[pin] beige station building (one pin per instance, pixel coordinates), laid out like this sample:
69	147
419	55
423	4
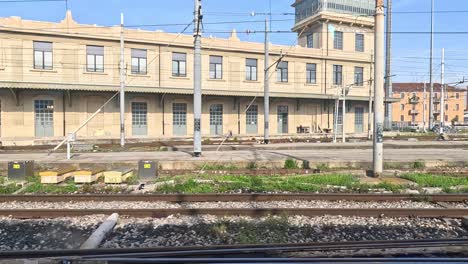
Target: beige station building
55	75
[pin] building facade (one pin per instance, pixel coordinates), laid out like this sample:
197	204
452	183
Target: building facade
413	107
54	76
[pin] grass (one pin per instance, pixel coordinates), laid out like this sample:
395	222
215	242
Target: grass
9	188
231	183
322	166
290	164
35	186
419	164
429	180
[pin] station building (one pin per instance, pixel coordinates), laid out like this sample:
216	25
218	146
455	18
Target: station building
55	75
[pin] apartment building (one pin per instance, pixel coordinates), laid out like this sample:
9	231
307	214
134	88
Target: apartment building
55	75
413	107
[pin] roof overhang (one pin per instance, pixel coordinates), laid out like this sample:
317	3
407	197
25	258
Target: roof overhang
168	90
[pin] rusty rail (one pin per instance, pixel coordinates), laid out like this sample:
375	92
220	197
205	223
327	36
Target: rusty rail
248	197
253	212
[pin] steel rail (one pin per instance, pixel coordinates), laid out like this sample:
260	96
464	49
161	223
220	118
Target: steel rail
229	249
251	197
282	260
252	212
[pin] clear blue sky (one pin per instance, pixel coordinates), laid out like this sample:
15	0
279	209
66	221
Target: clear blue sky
411	52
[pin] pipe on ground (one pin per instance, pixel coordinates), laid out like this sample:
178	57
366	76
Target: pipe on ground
98	236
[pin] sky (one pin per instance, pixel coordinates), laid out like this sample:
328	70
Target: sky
410	51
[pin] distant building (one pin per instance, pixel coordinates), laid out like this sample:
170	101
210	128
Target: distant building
53	76
413	108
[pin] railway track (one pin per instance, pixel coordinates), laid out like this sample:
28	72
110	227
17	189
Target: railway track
179	198
441	211
232	250
253	212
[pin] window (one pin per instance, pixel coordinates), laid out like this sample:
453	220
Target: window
311	73
457	107
358	76
402	118
338	40
179	64
359	42
310	41
402	107
216	67
446	118
337	74
42	55
282	71
402	95
446	107
138	61
457	96
436	95
95	58
251	69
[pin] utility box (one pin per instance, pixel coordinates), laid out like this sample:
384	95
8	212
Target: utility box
19	170
147	169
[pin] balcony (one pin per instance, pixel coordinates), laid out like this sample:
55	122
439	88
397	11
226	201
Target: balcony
436	112
413	112
436	100
414	100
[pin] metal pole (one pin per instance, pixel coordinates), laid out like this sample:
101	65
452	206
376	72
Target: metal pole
68	150
442	94
369	115
122	83
388	67
343	132
431	81
197	93
335	120
379	89
424	107
266	89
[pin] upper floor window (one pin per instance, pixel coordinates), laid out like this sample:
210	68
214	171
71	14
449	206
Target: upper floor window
402	107
457	96
446	107
216	67
311	73
282	71
402	95
358	76
359	42
251	69
43	55
95	58
457	107
179	64
310	41
436	95
338	40
139	61
337	74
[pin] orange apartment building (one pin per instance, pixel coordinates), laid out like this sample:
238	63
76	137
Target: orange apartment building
413	107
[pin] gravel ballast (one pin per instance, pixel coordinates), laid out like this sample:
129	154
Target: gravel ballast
69	233
166	205
58	233
211	230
